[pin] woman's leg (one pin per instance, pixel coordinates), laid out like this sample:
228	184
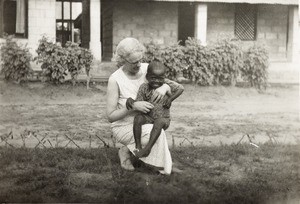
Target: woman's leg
124	155
124	135
159	156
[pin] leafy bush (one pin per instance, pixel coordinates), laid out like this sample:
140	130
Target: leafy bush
153	51
226	60
57	61
172	57
77	59
198	62
255	69
54	60
174	60
218	63
15	60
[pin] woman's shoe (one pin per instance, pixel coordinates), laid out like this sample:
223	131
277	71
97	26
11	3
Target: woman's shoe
124	155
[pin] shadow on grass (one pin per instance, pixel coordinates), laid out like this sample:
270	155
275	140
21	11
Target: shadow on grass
223	174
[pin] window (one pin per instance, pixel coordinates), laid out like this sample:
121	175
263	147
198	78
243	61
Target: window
245	21
13	17
68	21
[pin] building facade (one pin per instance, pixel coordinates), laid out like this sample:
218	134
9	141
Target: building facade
101	24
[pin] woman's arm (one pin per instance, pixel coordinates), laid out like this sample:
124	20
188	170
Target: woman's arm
112	111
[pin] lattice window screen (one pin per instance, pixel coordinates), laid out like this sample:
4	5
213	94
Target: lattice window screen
245	21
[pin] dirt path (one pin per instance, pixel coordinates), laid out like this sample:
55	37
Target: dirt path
202	115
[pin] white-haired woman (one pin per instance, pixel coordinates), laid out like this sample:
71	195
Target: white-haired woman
123	84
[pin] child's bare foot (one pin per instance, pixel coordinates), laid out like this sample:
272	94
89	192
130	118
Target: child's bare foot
136	151
142	152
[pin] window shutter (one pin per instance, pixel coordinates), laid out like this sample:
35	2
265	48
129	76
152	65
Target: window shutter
245	21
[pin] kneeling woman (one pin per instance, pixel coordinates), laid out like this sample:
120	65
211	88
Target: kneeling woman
123	84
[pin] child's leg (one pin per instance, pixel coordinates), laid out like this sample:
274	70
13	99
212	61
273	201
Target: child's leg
139	120
158	125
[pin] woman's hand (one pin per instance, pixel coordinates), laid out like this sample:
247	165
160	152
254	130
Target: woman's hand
160	92
142	106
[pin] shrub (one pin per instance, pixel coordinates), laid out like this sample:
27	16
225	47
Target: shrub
54	60
198	62
77	59
255	69
226	60
172	57
218	63
153	51
57	61
15	60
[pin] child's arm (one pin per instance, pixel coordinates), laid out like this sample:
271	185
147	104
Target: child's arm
177	90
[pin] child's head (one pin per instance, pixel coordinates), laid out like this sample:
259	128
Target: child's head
156	74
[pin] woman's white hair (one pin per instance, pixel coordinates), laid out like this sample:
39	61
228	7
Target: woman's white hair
128	49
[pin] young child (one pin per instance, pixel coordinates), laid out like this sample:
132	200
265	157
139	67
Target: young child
159	116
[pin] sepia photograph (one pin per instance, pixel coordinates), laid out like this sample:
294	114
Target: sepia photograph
150	101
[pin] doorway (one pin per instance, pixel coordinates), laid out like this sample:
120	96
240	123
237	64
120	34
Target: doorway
186	21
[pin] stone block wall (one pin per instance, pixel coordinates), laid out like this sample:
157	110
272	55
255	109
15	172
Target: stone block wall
41	21
271	27
145	21
220	20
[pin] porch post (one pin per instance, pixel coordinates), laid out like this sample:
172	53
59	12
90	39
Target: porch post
294	35
201	22
95	26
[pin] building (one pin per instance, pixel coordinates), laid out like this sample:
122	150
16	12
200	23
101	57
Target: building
101	24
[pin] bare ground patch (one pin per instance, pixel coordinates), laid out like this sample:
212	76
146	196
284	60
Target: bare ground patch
201	116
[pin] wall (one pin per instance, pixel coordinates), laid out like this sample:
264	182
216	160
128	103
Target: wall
41	21
271	26
272	29
220	20
145	21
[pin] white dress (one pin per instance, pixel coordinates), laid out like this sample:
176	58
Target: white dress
123	129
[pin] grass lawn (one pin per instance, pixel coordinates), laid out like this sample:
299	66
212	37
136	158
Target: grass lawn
206	137
215	174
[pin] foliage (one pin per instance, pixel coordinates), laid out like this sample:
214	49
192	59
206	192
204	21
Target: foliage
77	59
198	60
15	60
172	57
57	61
255	70
218	63
54	60
226	60
153	51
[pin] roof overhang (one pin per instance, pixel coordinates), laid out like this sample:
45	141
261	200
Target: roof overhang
283	2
